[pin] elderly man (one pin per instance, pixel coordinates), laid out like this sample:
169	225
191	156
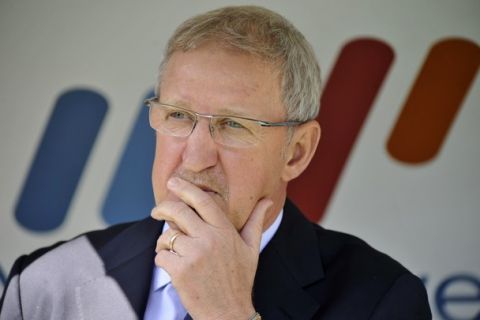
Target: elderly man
234	118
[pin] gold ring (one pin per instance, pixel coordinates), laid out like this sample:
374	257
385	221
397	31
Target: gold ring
172	241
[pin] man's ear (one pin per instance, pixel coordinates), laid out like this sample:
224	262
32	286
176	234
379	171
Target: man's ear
301	149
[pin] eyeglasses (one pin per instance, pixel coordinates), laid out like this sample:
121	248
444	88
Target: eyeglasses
232	131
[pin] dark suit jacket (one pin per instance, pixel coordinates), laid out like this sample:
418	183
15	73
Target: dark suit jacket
305	272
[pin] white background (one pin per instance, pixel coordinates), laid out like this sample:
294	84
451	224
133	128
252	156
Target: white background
426	216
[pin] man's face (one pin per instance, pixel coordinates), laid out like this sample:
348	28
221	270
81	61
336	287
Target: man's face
214	80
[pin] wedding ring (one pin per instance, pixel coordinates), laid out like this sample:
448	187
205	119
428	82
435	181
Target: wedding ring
172	241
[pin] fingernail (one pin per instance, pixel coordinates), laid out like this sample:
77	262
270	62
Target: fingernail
269	204
173	182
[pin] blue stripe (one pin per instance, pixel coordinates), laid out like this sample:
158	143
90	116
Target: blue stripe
60	159
3	278
130	196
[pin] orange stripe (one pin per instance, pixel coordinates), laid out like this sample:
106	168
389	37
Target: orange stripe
434	101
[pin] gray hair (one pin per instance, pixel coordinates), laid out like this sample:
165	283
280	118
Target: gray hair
263	33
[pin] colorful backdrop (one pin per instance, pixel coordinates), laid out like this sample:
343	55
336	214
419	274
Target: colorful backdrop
398	164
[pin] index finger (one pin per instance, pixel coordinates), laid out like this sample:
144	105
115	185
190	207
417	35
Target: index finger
179	216
199	200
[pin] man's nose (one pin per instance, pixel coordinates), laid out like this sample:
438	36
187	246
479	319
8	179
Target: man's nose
200	152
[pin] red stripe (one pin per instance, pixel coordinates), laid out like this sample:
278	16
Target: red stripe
347	99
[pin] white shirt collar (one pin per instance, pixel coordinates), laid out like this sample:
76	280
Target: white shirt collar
161	277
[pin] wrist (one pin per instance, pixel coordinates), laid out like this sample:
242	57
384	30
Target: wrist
235	314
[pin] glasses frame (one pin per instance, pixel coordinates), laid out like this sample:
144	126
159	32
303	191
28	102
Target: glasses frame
263	123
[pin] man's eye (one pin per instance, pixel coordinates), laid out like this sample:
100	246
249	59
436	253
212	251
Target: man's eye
179	115
230	123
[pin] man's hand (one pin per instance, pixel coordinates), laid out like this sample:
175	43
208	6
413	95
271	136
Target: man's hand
213	267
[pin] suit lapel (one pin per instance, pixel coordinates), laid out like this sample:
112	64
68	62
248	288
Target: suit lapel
129	260
286	267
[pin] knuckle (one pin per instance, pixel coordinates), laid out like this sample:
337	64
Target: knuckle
160	211
154	213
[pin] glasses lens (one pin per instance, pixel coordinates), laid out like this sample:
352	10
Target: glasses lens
171	120
228	131
235	132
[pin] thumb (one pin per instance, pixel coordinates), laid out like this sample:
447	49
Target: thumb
253	228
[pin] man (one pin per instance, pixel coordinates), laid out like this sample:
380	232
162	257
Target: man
234	114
